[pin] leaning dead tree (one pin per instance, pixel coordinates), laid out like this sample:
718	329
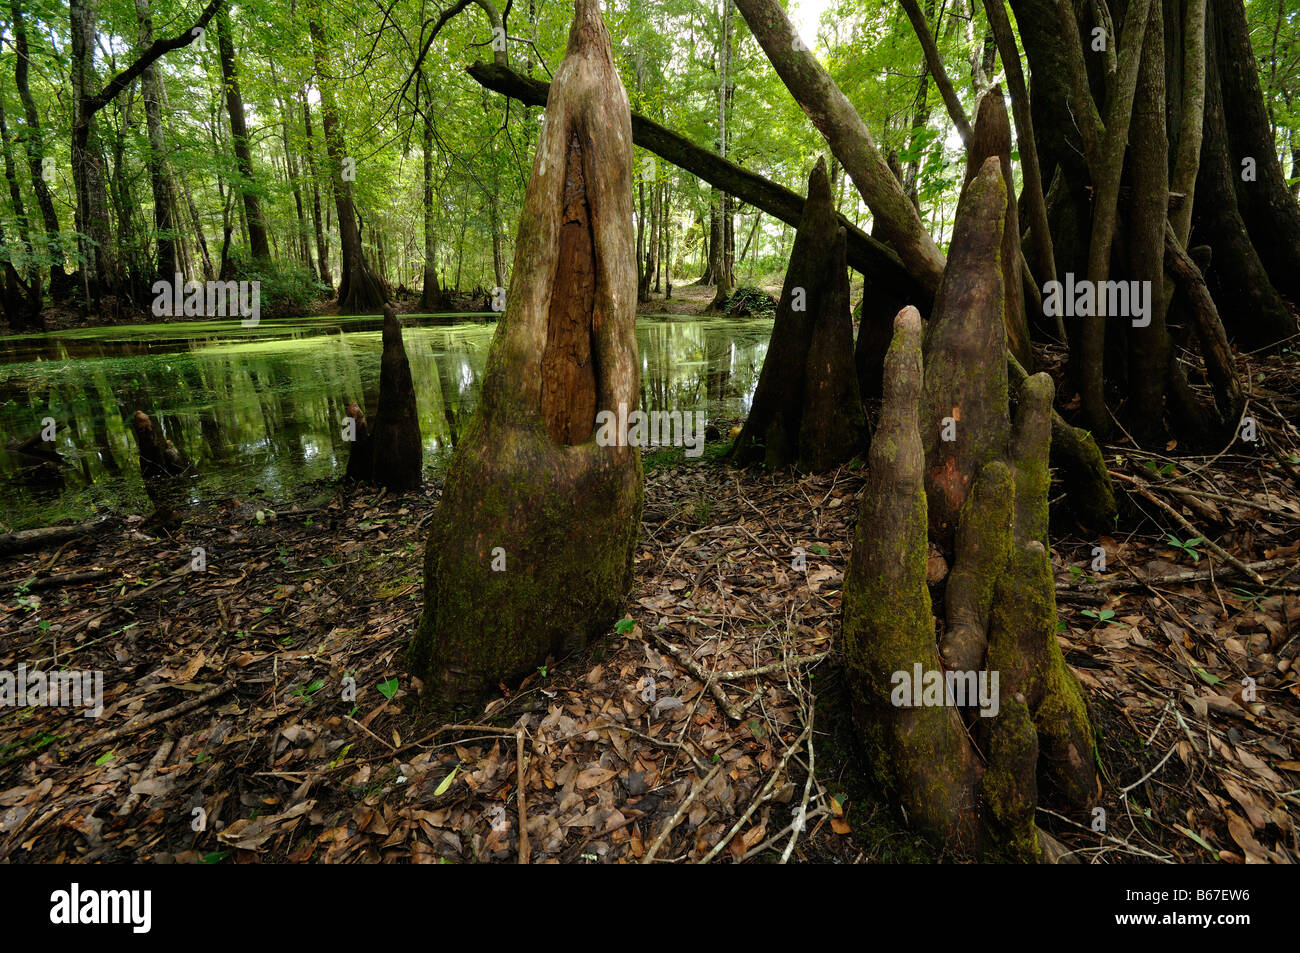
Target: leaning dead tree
388	450
530	550
807	408
960	726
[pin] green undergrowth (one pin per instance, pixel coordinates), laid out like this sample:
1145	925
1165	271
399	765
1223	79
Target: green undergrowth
668	457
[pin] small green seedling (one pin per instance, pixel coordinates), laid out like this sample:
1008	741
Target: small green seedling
1101	615
308	690
1189	547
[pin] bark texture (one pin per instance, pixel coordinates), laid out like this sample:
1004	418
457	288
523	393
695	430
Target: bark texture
968	777
530	550
806	407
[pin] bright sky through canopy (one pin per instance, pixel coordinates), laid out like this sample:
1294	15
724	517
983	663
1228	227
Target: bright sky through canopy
805	15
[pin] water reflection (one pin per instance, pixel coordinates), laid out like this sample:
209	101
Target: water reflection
261	408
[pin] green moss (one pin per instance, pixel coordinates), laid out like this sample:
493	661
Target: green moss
1008	790
983	538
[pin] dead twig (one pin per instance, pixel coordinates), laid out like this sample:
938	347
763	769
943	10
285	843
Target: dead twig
762	796
521	795
678	815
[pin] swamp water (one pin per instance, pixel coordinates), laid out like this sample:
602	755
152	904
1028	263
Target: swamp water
260	410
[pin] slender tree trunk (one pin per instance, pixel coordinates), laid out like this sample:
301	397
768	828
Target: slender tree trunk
360	290
1148	347
650	273
719	247
100	274
21	299
498	258
668	251
322	230
303	244
164	213
60	281
431	299
847	136
199	237
239	139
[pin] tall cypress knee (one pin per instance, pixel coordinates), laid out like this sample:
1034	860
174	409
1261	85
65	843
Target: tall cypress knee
807	407
388	450
960	729
530	551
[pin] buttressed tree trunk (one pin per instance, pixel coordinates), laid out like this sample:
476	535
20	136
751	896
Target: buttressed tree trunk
807	408
530	551
388	450
996	674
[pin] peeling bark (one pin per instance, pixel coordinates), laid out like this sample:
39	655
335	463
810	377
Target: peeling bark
530	550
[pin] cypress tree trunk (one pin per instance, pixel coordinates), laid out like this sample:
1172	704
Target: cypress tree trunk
100	269
19	300
530	550
60	280
1267	206
361	290
164	209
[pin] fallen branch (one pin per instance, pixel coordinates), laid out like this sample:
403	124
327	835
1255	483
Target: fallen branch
1188	575
711	679
1143	491
148	721
523	807
67	579
763	795
29	540
865	254
797	827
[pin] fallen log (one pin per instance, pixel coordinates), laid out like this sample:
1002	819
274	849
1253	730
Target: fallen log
865	254
30	540
63	580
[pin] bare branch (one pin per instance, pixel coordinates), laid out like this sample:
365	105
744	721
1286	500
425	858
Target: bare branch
934	62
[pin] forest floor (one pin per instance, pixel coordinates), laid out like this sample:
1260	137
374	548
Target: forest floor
230	731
